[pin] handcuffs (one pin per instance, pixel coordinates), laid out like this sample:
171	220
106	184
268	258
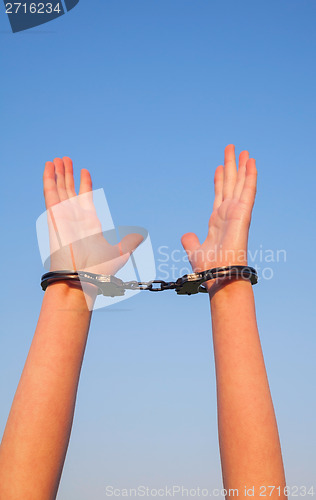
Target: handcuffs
189	284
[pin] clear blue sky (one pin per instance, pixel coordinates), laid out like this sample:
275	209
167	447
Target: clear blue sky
146	94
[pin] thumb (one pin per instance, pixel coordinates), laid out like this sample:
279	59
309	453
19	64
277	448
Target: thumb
129	243
190	244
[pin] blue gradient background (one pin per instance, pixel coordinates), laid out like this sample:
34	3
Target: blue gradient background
147	95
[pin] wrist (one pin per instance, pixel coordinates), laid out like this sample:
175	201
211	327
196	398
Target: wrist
226	274
74	295
225	288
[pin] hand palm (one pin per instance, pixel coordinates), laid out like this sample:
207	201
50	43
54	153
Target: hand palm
226	241
76	238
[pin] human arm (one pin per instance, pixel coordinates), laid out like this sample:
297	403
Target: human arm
248	435
37	433
36	436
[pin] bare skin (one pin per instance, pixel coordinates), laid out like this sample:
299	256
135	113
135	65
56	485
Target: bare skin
36	437
248	435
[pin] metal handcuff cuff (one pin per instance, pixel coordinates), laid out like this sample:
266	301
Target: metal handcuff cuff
189	284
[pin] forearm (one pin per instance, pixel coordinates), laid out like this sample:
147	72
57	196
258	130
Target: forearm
36	437
248	434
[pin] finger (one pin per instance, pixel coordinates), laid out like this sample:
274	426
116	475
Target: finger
190	243
241	174
129	243
60	176
230	171
127	246
250	186
69	177
218	186
50	187
86	201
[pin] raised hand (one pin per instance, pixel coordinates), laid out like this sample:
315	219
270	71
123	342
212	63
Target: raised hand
75	232
226	242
